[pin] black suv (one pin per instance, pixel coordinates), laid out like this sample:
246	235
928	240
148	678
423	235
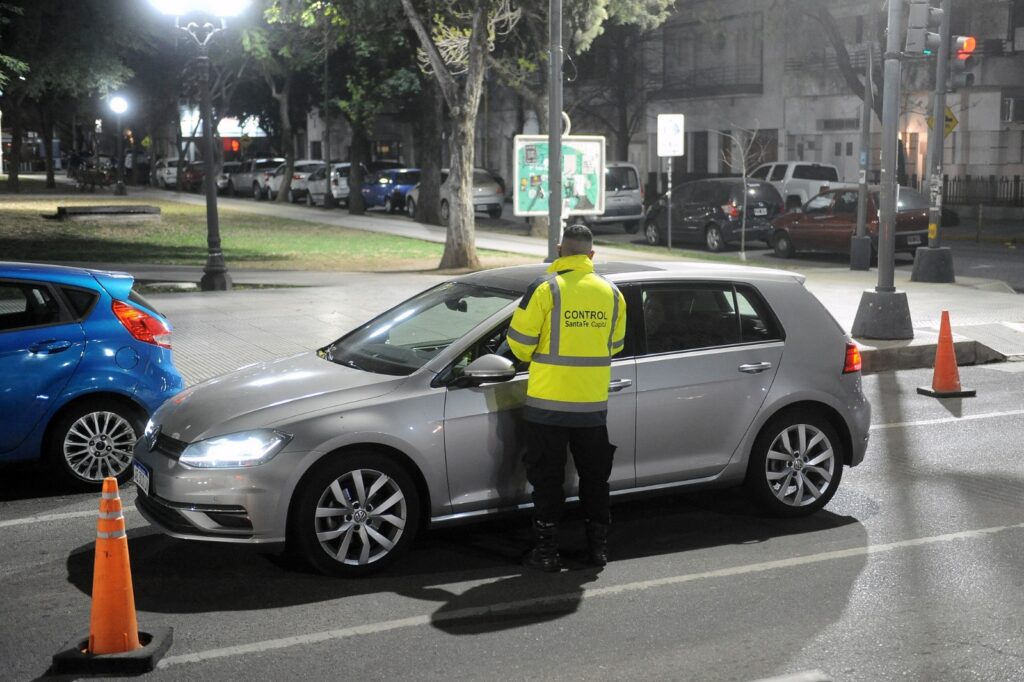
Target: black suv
710	212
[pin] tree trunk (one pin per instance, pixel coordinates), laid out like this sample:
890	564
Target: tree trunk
460	244
427	130
539	224
283	97
46	125
355	171
14	160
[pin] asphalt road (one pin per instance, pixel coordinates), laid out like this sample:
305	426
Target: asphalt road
913	572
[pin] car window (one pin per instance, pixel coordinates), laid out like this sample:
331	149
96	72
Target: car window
683	194
778	172
307	167
27	305
318	174
762	191
620	177
846	203
688	316
482	178
815	172
820	204
761	173
756	320
81	301
342	171
910	200
406	337
408	178
280	169
264	165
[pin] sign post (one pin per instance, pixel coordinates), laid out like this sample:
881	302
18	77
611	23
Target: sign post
582	183
671	143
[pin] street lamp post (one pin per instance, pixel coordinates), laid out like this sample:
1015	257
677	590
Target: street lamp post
215	272
119	105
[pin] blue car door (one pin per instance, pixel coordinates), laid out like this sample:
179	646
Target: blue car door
40	348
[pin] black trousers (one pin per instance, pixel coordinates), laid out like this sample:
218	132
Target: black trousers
545	469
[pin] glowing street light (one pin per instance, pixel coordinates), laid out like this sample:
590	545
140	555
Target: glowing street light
215	272
119	105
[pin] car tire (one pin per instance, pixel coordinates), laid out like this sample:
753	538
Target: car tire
366	537
92	441
494	213
410	207
257	193
309	200
783	245
651	233
273	195
795	465
389	206
631	226
161	183
231	189
713	238
446	213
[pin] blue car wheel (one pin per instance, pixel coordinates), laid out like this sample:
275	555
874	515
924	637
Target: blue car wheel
94	440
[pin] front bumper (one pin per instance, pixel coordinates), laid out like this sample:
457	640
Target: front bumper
244	505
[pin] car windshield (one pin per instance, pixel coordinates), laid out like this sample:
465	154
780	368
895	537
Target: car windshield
306	167
908	200
341	171
620	177
406	337
482	178
263	165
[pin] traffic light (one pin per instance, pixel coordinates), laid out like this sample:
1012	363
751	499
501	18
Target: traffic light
923	28
963	48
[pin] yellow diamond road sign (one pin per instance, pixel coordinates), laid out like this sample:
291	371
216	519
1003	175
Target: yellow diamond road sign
951	122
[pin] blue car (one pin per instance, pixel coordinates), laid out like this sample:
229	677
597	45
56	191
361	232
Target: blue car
388	188
84	360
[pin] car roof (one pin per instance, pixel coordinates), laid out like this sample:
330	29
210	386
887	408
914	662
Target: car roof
67	274
519	277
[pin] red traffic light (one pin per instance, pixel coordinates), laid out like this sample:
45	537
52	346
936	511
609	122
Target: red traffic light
965	47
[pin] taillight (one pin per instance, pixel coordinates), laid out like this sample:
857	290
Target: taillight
641	193
296	176
142	326
853	360
731	210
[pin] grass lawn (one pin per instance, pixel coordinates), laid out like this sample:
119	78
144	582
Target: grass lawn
249	240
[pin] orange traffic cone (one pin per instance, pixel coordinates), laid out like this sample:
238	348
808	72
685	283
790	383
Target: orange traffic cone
113	628
946	377
113	643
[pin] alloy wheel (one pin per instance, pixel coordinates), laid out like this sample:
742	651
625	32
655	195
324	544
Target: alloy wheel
361	516
99	444
800	466
713	238
651	233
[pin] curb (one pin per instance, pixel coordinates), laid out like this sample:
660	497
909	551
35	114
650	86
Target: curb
889	356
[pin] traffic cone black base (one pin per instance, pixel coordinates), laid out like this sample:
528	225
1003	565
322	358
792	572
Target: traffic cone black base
962	393
75	659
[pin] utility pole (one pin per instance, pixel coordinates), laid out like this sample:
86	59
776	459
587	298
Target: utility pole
860	242
326	137
934	263
554	128
884	313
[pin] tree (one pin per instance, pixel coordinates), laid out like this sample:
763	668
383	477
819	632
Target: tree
751	153
455	54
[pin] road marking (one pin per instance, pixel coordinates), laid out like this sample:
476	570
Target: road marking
41	518
593	593
947	420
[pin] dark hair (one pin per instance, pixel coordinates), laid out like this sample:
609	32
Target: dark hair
577	240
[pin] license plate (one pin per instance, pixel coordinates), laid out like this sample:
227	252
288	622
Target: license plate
141	477
914	239
760	211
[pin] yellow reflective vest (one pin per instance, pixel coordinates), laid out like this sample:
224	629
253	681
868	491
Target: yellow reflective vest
568	326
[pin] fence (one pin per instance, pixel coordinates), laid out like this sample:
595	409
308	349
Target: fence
983	189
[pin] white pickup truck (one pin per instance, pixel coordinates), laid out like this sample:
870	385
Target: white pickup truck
798	181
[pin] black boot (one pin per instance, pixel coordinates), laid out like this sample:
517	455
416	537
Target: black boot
597	543
544	555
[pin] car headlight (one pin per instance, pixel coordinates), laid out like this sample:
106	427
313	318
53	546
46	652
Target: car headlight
245	449
149	435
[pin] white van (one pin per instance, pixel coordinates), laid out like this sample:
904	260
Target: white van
624	197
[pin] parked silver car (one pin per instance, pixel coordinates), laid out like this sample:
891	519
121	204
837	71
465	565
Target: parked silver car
300	176
488	195
624	197
730	376
316	184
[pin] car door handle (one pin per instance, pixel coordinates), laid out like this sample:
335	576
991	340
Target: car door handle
49	347
619	384
755	367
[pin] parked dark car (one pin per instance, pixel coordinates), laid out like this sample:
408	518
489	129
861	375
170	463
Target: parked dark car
710	212
827	221
388	188
192	177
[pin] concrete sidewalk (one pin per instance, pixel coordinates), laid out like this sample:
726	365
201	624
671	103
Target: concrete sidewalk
987	317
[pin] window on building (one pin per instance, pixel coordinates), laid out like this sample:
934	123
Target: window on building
839	148
316	150
849	149
699	149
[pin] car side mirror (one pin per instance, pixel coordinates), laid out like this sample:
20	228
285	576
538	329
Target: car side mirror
486	369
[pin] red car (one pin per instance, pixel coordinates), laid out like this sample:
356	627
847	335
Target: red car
827	221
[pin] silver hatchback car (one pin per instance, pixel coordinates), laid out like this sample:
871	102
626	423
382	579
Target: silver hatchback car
730	376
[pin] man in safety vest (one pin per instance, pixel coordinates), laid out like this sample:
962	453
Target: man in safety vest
568	326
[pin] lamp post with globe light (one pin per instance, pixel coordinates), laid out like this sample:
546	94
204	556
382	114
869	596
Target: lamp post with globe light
119	105
215	272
